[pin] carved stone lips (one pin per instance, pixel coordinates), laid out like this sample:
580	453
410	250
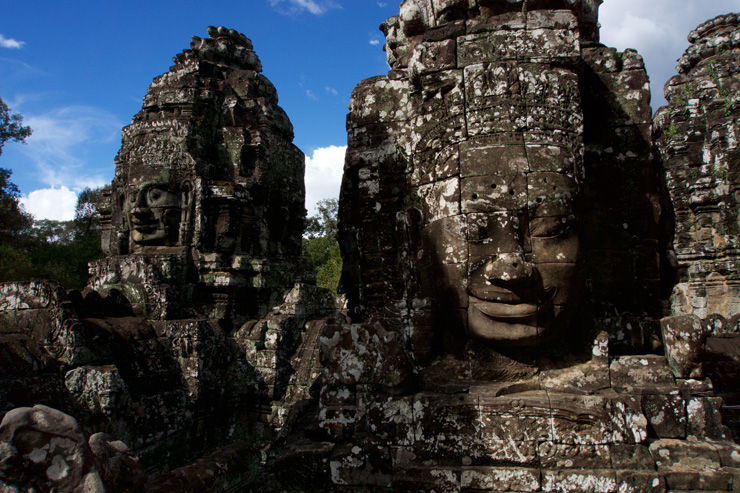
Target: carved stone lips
144	227
506	310
507	305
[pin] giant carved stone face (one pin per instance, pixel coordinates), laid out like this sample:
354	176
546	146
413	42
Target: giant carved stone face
153	214
155	209
510	262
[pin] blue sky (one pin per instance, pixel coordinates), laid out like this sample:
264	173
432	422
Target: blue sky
78	71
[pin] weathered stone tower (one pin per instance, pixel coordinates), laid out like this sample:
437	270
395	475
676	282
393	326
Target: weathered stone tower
205	214
697	136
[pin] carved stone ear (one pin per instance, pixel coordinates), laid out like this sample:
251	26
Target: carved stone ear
186	199
186	208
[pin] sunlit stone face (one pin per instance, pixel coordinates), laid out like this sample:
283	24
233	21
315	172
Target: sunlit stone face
153	214
510	261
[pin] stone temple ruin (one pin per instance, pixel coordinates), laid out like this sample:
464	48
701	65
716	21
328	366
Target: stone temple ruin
197	330
541	278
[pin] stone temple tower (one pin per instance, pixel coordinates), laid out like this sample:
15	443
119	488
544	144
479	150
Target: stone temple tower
205	214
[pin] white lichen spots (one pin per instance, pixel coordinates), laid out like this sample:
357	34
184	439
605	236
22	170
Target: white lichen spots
58	469
731	138
372	186
601	348
330	342
694	409
583	482
369	101
38	454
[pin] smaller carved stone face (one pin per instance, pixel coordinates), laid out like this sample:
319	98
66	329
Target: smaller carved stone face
153	212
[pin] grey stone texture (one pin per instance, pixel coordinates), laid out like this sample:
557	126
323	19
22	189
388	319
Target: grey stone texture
540	278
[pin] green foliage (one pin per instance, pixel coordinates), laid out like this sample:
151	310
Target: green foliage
14	221
61	250
320	247
15	229
325	222
45	249
724	94
328	273
11	126
670	130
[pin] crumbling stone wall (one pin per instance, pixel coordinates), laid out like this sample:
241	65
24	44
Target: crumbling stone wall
482	102
508	244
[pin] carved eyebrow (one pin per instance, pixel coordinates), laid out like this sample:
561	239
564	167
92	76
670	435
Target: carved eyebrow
553	226
147	186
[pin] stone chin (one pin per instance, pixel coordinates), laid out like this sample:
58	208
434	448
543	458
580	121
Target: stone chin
149	235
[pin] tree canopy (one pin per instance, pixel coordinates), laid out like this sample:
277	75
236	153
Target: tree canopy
320	247
11	126
43	249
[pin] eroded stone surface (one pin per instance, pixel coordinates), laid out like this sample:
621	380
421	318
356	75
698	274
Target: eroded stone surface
508	247
502	166
207	202
697	136
46	449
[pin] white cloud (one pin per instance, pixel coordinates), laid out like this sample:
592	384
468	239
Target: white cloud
10	43
331	90
311	95
51	203
382	5
61	143
375	42
657	29
316	7
323	175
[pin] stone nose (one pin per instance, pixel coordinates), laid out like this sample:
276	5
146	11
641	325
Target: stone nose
507	267
140	205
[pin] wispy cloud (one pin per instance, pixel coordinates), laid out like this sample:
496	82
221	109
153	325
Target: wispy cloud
60	139
316	7
375	42
323	175
63	142
311	95
10	43
331	90
382	5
